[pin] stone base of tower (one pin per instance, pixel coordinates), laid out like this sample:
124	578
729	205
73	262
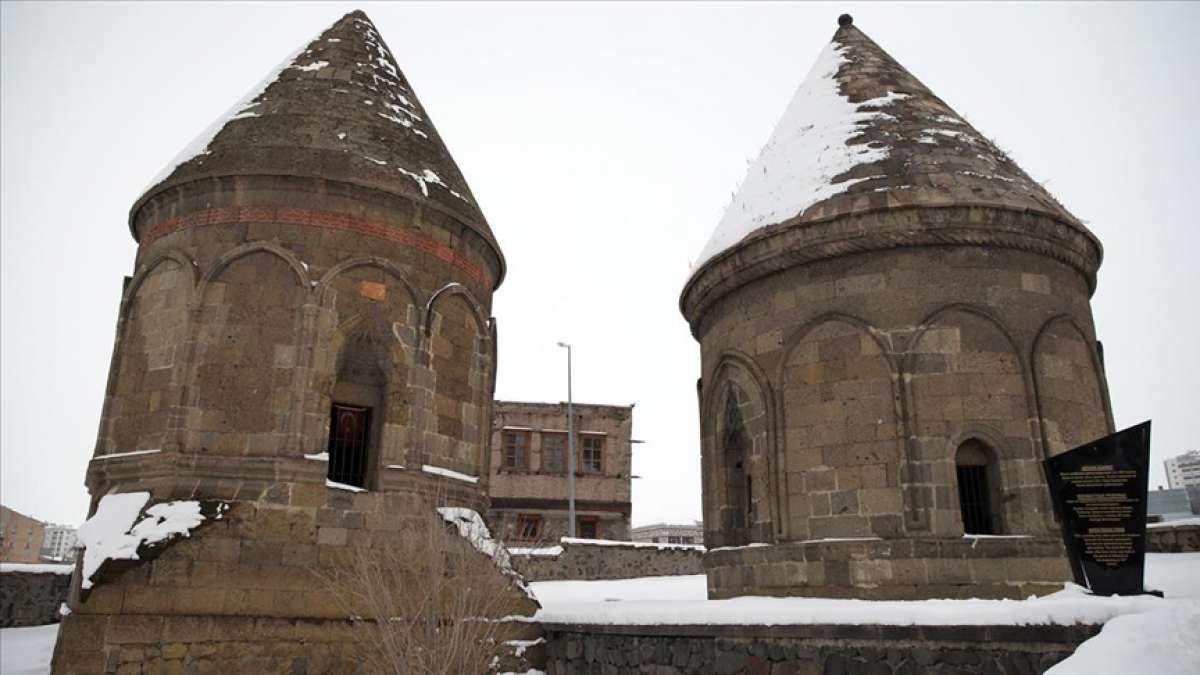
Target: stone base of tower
256	591
913	568
224	645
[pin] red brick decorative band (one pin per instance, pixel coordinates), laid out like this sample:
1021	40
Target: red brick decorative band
333	221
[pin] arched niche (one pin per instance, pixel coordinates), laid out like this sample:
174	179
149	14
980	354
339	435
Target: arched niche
243	382
1070	392
150	351
367	402
738	443
363	356
461	364
842	437
964	373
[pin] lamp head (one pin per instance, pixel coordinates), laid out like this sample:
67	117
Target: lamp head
563	344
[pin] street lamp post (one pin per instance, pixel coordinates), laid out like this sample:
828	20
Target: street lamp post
570	448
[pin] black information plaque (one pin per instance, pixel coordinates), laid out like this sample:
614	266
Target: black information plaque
1099	493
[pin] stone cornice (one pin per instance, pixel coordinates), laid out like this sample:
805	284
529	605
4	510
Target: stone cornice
779	248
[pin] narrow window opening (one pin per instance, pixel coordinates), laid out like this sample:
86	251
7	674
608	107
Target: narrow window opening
734	444
349	431
592	454
586	527
977	486
516	450
529	527
553	451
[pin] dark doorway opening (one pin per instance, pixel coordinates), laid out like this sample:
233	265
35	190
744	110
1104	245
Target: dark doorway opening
978	488
349	431
973	499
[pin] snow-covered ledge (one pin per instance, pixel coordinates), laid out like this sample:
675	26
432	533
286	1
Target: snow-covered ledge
115	532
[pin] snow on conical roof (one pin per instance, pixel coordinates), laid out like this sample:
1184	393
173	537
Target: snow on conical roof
862	134
338	108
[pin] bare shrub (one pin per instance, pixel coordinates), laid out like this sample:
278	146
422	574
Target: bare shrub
428	596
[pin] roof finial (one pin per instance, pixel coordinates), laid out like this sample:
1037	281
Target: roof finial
845	20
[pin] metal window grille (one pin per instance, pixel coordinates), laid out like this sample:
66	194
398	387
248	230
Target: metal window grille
349	431
973	499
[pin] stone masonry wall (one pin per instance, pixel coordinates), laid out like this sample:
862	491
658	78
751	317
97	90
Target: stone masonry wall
804	650
1178	539
582	560
535	486
31	598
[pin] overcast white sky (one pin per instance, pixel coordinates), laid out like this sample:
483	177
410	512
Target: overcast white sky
603	142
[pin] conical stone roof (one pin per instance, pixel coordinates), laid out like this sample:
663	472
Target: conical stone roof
862	134
338	108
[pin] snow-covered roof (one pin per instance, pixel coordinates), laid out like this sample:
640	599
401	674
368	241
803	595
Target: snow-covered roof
862	134
338	108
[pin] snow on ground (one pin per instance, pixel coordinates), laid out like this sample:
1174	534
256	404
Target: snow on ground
1163	642
682	601
1142	634
27	651
1195	520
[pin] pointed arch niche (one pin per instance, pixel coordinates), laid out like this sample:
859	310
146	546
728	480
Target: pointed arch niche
843	441
1070	393
364	406
460	358
739	449
149	356
243	373
967	389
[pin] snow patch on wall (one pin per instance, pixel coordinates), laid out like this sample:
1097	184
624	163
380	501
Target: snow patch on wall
471	527
343	486
447	473
311	67
36	568
110	534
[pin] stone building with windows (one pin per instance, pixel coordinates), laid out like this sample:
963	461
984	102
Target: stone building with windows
1183	470
21	537
895	331
59	543
668	533
528	485
305	348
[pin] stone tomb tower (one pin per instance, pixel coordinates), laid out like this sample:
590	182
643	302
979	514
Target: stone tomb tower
895	332
310	302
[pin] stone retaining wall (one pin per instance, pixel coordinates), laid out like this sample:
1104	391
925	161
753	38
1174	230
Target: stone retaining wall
31	597
798	650
1178	539
583	559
